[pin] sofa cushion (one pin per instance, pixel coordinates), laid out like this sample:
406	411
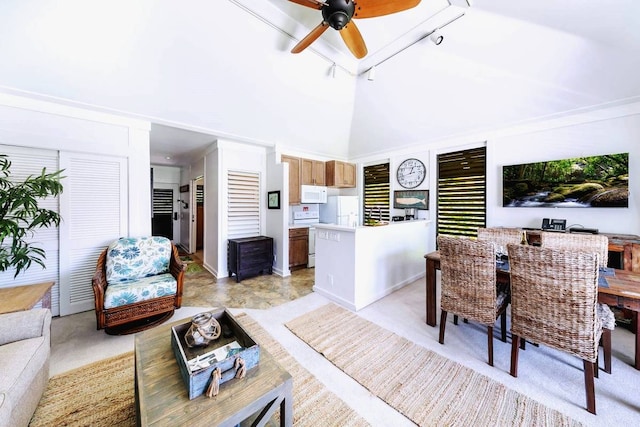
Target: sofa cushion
130	258
23	324
129	292
24	373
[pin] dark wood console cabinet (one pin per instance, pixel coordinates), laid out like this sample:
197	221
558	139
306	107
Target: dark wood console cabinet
250	256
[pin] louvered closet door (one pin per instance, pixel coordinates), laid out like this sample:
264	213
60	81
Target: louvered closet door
94	209
25	162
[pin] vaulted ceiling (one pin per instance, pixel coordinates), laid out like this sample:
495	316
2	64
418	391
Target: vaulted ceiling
204	70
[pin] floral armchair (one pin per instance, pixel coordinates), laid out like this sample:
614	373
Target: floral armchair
137	284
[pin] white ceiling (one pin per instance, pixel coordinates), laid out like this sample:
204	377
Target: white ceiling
224	68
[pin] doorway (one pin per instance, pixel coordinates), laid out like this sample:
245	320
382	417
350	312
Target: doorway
199	217
162	216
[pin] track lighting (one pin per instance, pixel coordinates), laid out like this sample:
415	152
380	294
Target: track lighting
436	38
372	74
333	70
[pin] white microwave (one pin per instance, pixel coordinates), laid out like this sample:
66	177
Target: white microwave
313	194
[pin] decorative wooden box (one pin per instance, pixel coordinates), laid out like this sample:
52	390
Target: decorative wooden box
198	380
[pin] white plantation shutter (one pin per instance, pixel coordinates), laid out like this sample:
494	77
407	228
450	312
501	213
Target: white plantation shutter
243	204
94	207
25	162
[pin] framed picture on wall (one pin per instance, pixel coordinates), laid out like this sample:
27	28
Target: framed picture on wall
417	199
273	200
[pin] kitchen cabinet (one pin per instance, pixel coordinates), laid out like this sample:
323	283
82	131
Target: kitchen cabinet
340	174
250	256
313	172
298	247
294	178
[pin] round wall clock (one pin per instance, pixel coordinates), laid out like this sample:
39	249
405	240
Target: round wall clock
411	173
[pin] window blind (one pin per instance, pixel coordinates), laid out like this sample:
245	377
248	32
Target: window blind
243	204
461	192
377	191
162	201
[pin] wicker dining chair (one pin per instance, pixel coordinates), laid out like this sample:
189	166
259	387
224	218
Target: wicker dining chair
468	278
501	236
554	302
598	243
588	243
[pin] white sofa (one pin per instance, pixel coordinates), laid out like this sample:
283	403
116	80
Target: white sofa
25	347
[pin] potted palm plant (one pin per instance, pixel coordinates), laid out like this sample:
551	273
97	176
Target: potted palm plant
21	215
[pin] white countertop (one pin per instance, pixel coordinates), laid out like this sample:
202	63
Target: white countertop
361	227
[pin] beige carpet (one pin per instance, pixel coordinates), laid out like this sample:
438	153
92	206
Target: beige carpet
427	388
102	394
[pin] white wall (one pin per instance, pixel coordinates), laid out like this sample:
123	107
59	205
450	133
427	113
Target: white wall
224	156
276	220
81	134
38	124
602	131
610	136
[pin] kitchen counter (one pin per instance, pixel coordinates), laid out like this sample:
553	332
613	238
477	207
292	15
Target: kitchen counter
356	266
368	227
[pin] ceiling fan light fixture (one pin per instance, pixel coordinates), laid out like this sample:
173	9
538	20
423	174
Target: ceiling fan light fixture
436	38
338	20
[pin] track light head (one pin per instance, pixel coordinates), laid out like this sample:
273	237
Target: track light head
436	38
372	74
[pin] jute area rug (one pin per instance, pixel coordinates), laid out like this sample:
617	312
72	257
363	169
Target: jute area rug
427	388
102	393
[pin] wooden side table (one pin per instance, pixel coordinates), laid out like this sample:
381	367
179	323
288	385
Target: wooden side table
20	298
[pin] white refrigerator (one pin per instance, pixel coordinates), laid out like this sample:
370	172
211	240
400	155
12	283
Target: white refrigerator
341	210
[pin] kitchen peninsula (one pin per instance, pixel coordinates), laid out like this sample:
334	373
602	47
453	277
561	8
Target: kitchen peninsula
356	266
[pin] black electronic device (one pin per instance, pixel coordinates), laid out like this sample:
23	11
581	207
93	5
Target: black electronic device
583	230
554	224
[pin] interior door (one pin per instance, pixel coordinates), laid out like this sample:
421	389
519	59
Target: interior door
94	209
162	213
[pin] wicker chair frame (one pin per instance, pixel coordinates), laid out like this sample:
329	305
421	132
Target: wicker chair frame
587	243
501	235
468	278
141	315
554	296
578	242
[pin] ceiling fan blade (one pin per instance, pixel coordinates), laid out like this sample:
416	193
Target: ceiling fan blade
313	4
310	38
373	8
353	39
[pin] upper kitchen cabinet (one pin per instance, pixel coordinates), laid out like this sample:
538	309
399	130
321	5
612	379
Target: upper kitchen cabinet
313	172
340	174
294	179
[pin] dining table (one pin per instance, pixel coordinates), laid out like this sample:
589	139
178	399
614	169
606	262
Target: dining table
621	288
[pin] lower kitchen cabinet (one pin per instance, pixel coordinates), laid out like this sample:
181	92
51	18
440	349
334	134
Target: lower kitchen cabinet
250	256
298	248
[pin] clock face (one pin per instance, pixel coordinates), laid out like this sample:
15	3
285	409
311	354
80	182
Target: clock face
411	173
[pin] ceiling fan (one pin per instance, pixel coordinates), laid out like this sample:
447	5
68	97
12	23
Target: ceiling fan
338	14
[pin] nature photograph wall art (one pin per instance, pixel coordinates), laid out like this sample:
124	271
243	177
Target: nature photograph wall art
581	182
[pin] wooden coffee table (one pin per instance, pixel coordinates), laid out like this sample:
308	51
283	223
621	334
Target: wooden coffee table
162	397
